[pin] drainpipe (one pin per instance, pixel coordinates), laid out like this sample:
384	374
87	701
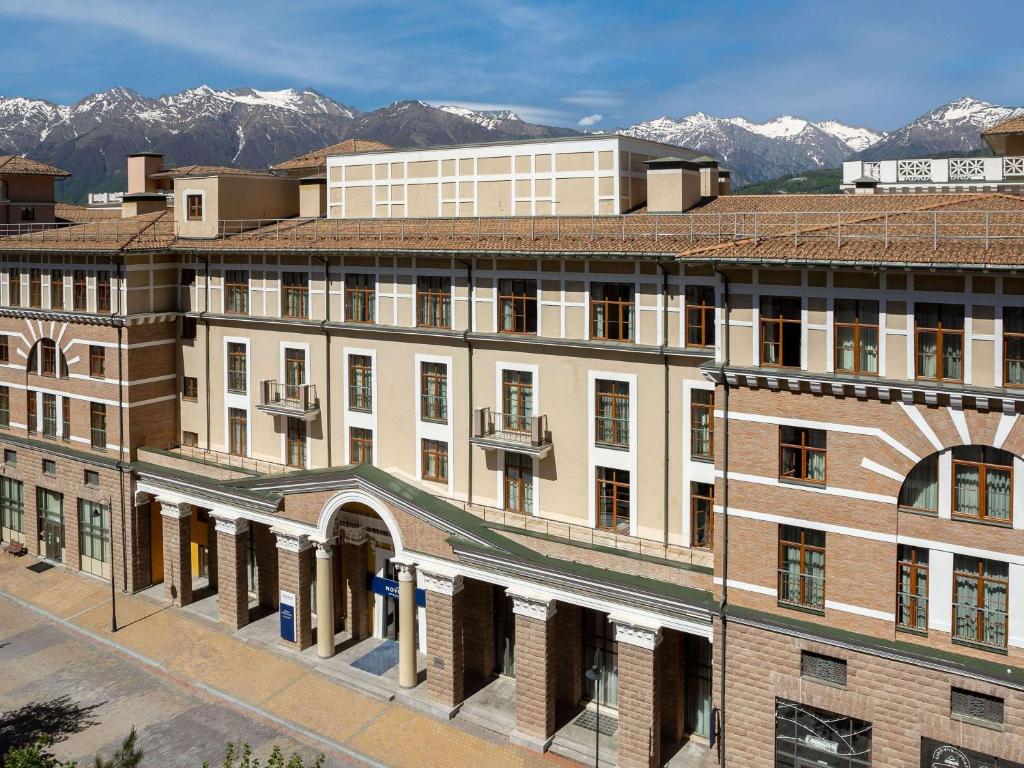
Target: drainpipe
327	341
667	420
469	374
206	327
725	511
120	312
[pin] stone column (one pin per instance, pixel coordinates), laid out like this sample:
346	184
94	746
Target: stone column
232	537
324	599
446	665
353	561
406	624
535	669
177	522
639	707
672	666
294	558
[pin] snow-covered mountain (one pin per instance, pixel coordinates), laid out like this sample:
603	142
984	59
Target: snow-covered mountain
488	118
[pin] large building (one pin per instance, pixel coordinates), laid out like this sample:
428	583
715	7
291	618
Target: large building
543	409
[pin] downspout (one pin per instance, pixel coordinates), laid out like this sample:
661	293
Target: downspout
327	341
120	437
725	512
665	392
469	374
206	326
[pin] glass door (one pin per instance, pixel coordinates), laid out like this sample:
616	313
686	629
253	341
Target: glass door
600	648
51	524
698	685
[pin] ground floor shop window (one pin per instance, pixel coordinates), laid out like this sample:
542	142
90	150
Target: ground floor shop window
12	509
94	537
600	649
806	737
938	754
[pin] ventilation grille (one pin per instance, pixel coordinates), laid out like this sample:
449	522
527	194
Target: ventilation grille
976	706
824	668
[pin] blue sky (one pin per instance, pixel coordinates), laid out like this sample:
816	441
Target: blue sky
606	64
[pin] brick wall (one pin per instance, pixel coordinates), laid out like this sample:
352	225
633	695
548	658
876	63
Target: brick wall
568	654
232	579
639	708
177	559
535	677
445	655
294	576
478	628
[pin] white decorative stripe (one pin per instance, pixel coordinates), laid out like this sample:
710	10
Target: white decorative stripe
860	611
874	466
960	422
848	493
922	425
1006	423
746	587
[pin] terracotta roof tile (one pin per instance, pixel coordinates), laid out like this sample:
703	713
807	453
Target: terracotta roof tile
16	164
79	214
1009	125
318	157
145	232
205	170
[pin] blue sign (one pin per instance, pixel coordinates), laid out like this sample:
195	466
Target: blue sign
389	588
288	616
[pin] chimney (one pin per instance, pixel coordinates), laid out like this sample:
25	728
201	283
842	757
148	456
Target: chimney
676	184
142	165
313	196
865	185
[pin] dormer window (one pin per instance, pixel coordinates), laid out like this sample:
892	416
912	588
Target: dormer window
194	207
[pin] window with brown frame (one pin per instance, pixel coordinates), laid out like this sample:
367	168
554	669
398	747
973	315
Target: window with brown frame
780	332
30	409
518	482
35	288
700	316
802	454
516	400
981	598
611	417
5	406
5	349
939	341
294	295
434	392
56	289
49	415
360	383
80	292
1013	346
360	445
360	298
912	588
801	567
295	443
190	388
611	311
517	306
236	292
702	424
47	357
613	499
435	460
294	372
97	361
702	515
98	425
65	418
434	301
189	439
236	367
102	291
14	287
194	207
983	484
856	336
238	432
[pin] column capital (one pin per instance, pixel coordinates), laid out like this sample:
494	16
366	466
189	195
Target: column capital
406	568
175	509
635	632
352	534
531	605
230	526
442	582
141	497
324	548
290	541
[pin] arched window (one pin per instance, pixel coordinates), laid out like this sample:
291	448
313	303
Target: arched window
47	359
977	480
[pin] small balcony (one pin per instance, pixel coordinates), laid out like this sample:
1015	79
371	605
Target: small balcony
296	400
511	432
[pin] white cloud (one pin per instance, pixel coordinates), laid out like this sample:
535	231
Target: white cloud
589	120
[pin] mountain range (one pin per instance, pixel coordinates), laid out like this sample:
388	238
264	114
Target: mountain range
253	128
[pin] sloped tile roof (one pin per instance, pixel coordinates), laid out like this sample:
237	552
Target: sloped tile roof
205	170
16	164
1009	125
318	157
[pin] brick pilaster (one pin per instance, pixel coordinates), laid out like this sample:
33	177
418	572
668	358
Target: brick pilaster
139	540
357	608
445	649
672	666
177	522
294	567
639	705
535	670
478	628
569	671
31	519
232	584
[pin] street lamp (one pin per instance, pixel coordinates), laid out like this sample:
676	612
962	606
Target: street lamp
594	675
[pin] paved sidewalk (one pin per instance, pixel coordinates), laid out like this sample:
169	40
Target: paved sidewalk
313	707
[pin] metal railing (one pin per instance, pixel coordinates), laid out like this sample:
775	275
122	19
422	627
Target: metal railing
801	589
231	460
101	231
984	626
298	397
512	428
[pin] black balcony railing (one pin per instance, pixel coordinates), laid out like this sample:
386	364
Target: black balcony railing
279	396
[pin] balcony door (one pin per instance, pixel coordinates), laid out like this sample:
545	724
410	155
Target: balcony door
517	399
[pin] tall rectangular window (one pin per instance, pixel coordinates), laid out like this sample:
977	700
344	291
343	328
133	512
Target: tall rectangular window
236	292
434	392
611	311
613	502
702	424
5	349
102	291
939	341
294	295
983	484
360	445
1013	346
518	483
14	287
65	418
56	289
856	333
30	410
700	316
35	288
5	406
780	332
435	460
434	302
802	454
516	400
80	292
611	418
702	515
912	588
189	388
12	507
237	381
194	207
238	432
97	361
49	415
517	306
294	372
981	593
801	567
98	425
47	357
93	532
360	382
360	298
295	444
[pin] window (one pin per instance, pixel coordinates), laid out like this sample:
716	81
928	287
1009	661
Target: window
94	531
102	291
80	292
56	289
236	367
5	406
518	483
30	407
188	327
435	460
12	506
65	418
433	302
189	439
801	567
434	392
360	383
516	400
1013	346
5	349
49	467
700	316
294	373
702	515
91	478
14	289
49	415
236	292
974	706
856	332
35	288
780	332
360	298
613	499
611	423
517	306
295	444
294	295
920	490
802	454
912	588
187	277
10	457
611	311
939	341
194	207
983	483
981	596
47	357
238	431
97	361
805	736
28	214
98	425
824	669
702	424
360	445
190	388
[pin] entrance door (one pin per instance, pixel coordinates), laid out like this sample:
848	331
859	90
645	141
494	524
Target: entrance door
698	685
51	524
